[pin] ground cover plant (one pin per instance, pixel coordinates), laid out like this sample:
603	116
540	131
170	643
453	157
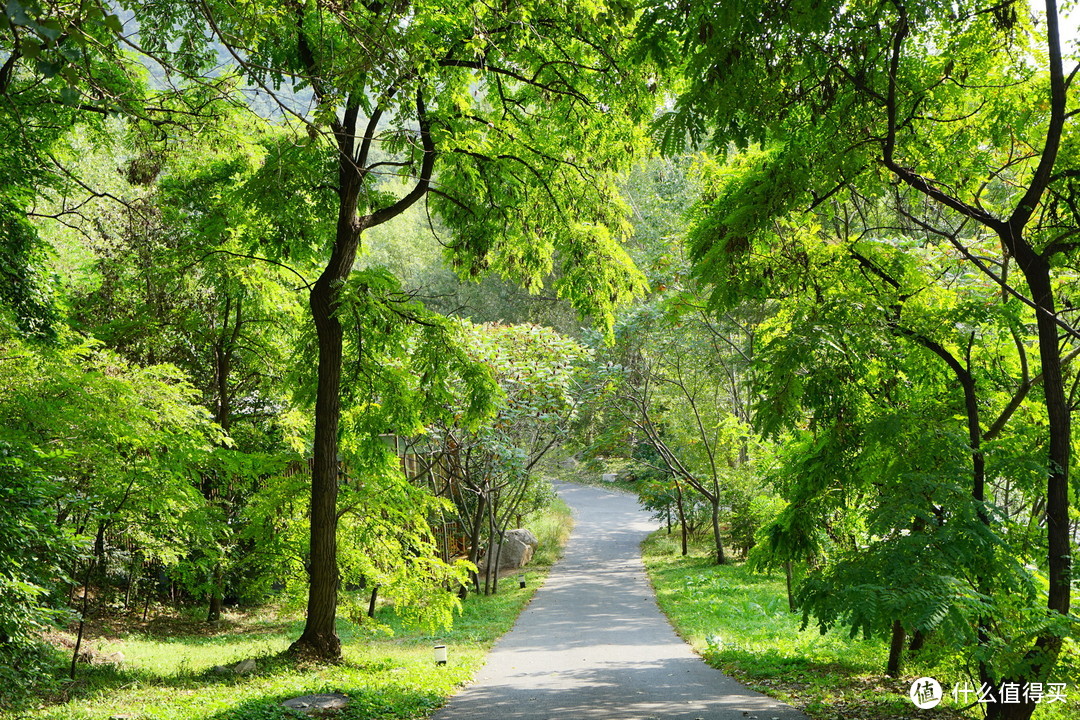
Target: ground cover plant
168	667
739	621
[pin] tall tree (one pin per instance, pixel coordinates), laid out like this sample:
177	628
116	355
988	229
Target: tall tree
965	104
511	121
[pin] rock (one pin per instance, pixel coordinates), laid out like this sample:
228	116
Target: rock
525	536
221	669
569	463
324	704
115	658
609	477
244	667
515	551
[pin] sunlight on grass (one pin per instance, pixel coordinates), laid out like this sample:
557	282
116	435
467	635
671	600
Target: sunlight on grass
740	623
168	672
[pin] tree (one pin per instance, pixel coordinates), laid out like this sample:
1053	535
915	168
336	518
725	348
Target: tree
682	394
489	468
106	450
949	102
511	121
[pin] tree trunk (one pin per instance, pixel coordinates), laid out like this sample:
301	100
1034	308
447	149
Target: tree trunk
319	638
82	616
714	503
474	539
213	614
1048	646
896	650
682	517
371	603
790	595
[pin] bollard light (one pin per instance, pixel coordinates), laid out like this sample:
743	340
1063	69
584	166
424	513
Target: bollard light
521	581
440	654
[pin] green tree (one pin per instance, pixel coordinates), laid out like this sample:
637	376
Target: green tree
490	467
965	105
111	450
511	122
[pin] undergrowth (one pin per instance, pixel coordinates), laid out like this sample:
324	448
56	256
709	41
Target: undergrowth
175	669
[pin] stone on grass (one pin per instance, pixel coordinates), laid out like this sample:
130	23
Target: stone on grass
514	552
244	667
524	536
324	704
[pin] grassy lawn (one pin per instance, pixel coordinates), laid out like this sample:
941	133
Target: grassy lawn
740	623
168	667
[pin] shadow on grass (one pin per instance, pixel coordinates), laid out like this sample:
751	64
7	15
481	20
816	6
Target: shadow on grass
389	703
95	681
830	690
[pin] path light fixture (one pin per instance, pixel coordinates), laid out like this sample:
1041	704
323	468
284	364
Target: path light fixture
521	581
440	654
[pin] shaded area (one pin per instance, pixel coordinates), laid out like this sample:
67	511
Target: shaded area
593	645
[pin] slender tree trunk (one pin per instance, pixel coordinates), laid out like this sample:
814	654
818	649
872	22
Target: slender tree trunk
682	517
371	603
714	503
213	613
82	615
896	650
790	595
474	538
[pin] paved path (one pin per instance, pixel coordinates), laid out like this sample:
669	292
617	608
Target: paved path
592	645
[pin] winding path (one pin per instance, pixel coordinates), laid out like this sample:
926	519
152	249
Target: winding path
592	645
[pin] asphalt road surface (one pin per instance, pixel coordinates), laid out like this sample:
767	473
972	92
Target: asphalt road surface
592	645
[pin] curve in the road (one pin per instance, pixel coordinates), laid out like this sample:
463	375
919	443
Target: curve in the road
592	645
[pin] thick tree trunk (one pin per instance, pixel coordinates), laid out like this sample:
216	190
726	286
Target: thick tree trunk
1059	556
319	638
213	613
320	635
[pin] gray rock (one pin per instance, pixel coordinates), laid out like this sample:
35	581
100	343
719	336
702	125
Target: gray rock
221	669
609	477
115	658
324	704
244	667
525	536
510	554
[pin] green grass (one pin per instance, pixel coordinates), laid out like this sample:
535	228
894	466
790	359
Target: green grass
168	669
739	622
